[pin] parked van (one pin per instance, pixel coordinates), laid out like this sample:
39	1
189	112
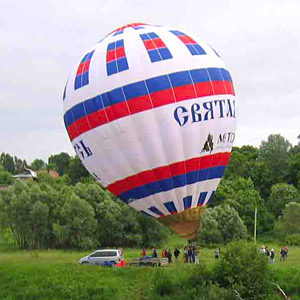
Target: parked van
111	257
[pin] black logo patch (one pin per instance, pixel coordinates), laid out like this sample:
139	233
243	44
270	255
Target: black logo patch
208	145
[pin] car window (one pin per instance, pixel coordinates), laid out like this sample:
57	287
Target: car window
96	254
104	254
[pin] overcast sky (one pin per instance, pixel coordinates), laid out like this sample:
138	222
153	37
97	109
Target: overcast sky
40	41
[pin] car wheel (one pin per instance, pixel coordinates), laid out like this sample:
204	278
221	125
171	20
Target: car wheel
85	263
154	265
142	264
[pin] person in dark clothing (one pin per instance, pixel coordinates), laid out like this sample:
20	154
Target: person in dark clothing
186	254
169	255
176	253
190	254
154	253
283	253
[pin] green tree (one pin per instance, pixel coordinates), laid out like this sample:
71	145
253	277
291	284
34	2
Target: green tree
19	165
261	178
76	171
241	161
275	153
209	233
38	164
291	218
153	232
226	226
293	176
60	162
244	269
5	177
77	225
7	162
240	194
281	194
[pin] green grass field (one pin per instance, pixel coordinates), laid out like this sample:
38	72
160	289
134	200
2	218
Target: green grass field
55	274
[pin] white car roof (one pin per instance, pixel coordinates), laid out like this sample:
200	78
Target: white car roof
107	250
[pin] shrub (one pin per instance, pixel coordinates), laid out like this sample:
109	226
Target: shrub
5	178
244	270
293	239
221	224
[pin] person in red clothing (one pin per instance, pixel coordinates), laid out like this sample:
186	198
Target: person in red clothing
144	252
163	253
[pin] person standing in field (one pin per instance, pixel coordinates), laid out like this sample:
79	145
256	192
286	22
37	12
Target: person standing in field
272	256
144	252
283	253
217	253
169	255
176	253
185	253
163	253
154	253
190	254
196	255
263	250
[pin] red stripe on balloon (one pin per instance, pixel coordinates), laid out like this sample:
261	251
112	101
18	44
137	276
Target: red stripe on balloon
110	55
149	45
168	171
147	102
83	67
162	98
186	39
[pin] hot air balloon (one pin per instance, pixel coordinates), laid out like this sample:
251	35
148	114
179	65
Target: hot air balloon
150	111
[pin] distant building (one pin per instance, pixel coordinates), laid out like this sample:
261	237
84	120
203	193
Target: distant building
27	175
52	173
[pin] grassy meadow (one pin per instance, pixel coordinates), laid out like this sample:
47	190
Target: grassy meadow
55	274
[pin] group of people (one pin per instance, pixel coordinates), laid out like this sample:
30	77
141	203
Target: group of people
168	254
271	253
164	253
191	254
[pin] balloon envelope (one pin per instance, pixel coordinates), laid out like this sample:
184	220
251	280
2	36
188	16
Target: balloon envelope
150	111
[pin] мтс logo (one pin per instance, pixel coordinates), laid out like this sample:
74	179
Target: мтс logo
208	145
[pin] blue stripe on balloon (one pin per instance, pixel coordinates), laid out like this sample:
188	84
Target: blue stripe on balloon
145	213
172	182
155	210
211	196
201	198
180	78
156	84
135	90
187	202
159	83
170	206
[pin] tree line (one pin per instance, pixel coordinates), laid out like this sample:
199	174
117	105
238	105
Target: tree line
55	214
75	211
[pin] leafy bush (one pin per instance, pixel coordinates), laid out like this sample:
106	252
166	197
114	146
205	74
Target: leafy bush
293	239
51	214
288	279
243	269
221	224
5	177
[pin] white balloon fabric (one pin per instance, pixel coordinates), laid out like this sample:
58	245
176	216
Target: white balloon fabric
151	113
